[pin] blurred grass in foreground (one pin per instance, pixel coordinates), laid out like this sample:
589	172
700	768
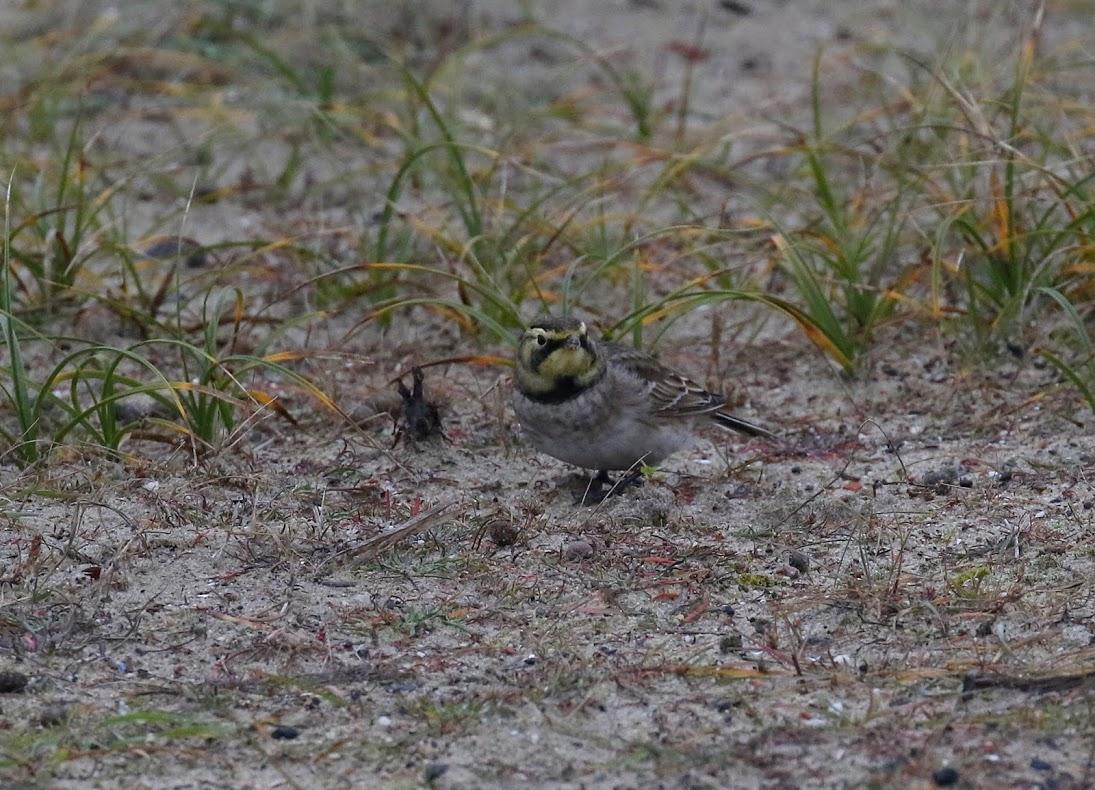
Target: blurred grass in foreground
385	175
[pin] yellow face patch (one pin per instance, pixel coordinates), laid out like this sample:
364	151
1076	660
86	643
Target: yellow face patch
549	358
566	361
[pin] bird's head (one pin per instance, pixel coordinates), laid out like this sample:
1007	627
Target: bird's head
557	356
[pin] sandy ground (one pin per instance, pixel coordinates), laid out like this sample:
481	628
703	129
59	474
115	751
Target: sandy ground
899	594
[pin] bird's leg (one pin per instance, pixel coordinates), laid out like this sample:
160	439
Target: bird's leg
601	487
596	489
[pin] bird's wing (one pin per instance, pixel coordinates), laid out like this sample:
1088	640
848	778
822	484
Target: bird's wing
672	394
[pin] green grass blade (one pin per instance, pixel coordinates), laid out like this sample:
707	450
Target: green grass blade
1082	384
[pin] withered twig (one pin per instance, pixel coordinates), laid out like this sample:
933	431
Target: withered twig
377	545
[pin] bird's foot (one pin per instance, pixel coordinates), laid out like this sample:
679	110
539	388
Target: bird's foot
601	487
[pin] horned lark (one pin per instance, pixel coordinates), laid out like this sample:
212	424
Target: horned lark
605	406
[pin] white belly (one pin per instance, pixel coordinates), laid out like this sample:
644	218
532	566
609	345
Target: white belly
586	433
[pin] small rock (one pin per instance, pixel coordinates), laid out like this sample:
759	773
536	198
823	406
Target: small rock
384	721
434	771
284	733
726	705
53	715
137	407
12	682
799	561
731	643
503	532
577	549
736	7
1006	473
1040	765
173	248
940	478
945	777
101	324
741	491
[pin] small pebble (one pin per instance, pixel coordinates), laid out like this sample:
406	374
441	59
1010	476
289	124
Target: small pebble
799	561
12	682
577	549
434	771
730	643
503	532
945	777
1040	765
940	478
726	705
53	715
741	491
736	7
170	248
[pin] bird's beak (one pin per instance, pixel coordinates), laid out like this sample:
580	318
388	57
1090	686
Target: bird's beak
574	342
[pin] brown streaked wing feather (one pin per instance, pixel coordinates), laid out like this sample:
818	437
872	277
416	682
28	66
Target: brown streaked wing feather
673	393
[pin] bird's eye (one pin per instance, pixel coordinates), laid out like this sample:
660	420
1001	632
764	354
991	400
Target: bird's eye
541	340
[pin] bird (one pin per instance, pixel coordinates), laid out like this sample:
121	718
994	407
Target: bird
606	406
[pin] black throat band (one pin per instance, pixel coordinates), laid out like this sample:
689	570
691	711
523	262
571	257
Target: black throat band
565	389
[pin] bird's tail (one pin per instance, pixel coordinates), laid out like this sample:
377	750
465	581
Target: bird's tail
726	420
